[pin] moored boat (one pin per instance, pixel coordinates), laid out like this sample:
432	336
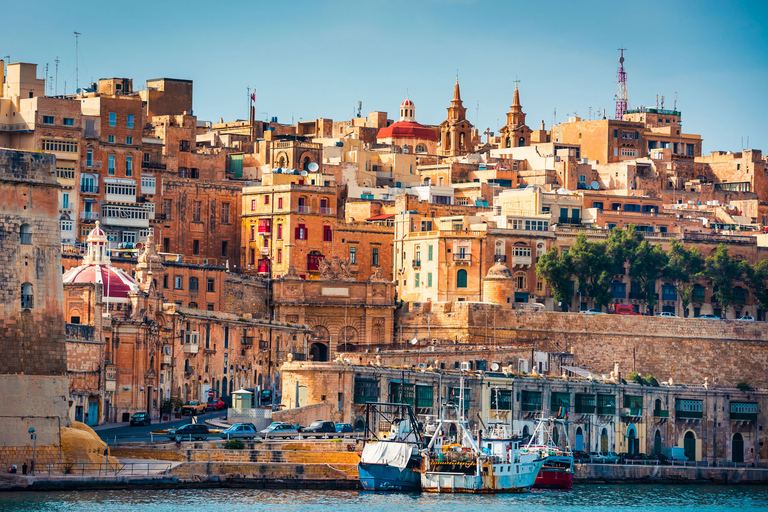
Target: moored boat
550	442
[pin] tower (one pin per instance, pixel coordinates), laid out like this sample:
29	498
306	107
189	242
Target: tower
621	93
407	111
516	133
456	131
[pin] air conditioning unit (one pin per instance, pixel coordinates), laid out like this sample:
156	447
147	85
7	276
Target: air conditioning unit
465	366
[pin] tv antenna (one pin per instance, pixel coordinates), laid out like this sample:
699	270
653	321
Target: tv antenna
674	105
77	60
359	108
56	92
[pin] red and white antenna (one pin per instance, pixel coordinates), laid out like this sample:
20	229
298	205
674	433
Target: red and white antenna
621	94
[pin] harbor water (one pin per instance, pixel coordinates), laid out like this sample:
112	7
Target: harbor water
646	497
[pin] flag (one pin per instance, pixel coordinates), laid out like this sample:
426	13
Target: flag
253	96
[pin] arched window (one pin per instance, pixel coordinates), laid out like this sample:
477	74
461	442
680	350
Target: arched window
521	142
421	148
305	163
27	296
461	279
25	234
461	140
521	281
689	445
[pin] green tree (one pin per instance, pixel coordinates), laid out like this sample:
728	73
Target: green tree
646	265
621	244
756	279
555	268
722	271
593	267
685	265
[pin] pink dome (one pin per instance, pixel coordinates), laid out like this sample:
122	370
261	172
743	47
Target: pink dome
116	283
406	103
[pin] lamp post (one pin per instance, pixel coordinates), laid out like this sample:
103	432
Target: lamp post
33	436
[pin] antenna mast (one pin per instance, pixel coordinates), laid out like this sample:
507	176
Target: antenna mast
621	94
56	92
77	61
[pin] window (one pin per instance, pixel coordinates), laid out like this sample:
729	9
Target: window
225	213
25	234
68	121
62	146
429	279
111	165
27	296
211	285
253	205
279	231
165	280
224	248
129	140
195	247
279	202
375	257
301	232
429	253
119	189
65	201
461	279
128	121
327	234
582	178
177	283
253	232
147	182
226	340
128	166
112	119
111	139
193	284
196	206
416	277
279	255
521	281
266	199
47	119
352	255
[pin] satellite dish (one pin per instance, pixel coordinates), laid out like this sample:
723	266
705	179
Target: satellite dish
313	167
405	150
595	185
414	341
139	245
495	367
304	173
422	365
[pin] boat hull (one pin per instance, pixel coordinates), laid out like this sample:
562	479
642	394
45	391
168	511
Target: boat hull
554	479
382	477
500	480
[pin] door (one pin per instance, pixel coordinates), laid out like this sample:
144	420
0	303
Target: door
633	445
657	443
93	414
737	448
79	413
579	444
604	441
689	445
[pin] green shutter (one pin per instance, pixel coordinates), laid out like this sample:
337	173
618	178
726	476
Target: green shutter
236	165
429	253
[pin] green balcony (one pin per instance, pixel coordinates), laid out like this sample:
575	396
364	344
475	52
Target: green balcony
688	414
585	409
530	407
606	410
745	416
633	412
658	413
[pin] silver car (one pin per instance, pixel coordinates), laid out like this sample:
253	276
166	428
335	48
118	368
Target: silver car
280	429
240	431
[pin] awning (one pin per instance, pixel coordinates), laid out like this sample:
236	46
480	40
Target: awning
382	217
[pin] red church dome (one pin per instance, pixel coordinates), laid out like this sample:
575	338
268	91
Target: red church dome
116	284
407	130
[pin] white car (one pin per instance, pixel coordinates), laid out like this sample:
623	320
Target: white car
593	311
746	318
667	314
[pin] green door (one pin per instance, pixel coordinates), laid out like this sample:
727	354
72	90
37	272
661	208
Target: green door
737	448
689	445
657	443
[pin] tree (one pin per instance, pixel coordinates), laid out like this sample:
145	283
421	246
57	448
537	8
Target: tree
556	269
721	271
756	279
646	265
685	265
621	244
593	267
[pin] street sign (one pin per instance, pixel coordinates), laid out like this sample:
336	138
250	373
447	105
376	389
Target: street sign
210	393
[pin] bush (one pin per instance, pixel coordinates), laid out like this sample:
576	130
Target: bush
651	381
234	444
636	378
743	386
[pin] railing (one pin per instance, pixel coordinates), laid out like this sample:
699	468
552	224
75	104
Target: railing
585	409
80	332
93	189
326	211
669	297
632	411
748	416
688	414
92	164
191	348
416	263
609	411
462	257
106	469
521	260
722	239
303	209
152	165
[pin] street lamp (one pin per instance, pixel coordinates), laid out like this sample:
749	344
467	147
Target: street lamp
33	436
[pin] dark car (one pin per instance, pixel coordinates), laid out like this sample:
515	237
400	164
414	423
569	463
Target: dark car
190	431
658	457
344	428
580	456
141	418
320	427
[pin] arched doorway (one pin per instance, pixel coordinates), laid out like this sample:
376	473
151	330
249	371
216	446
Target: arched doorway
633	443
604	440
737	448
689	444
348	339
578	445
359	424
318	352
526	433
224	386
657	443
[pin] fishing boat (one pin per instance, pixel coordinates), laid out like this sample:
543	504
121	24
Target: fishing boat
457	461
550	442
391	449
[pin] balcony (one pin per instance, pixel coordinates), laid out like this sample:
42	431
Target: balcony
744	416
167	360
247	341
672	297
89	215
500	258
91	164
461	258
153	165
325	211
632	412
191	348
265	227
416	263
585	409
521	261
607	411
80	332
637	295
303	209
697	297
660	413
89	189
688	414
113	215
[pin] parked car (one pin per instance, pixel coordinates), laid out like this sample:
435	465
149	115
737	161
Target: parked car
622	309
633	457
605	457
593	311
667	314
343	428
659	457
190	431
215	405
709	317
280	429
240	430
319	428
580	456
674	453
140	418
746	318
193	408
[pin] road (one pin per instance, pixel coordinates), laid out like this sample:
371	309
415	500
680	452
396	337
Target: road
128	434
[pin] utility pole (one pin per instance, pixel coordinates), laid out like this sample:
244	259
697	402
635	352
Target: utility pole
77	60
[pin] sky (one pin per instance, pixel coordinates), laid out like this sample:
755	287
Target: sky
311	59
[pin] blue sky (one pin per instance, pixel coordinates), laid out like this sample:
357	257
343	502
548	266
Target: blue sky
317	59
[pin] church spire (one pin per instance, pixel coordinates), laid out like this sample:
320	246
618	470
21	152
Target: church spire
456	92
456	111
516	99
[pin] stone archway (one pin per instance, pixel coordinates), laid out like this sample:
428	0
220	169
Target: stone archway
578	444
657	445
318	352
348	339
604	440
689	444
633	443
737	448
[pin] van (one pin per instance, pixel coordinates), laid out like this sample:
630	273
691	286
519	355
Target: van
622	309
674	453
